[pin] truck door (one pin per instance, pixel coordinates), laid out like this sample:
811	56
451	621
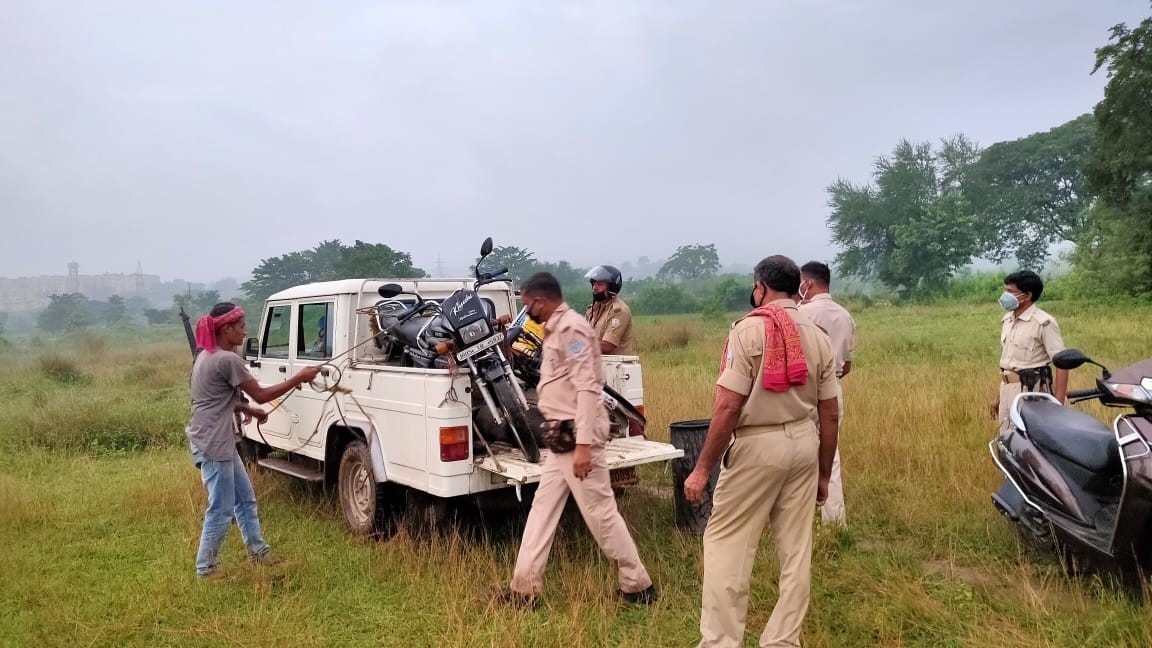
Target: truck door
272	367
312	346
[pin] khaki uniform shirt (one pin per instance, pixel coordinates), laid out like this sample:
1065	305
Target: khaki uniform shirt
836	322
1029	340
571	376
744	371
612	320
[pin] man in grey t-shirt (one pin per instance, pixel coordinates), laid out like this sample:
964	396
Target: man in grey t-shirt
216	380
218	377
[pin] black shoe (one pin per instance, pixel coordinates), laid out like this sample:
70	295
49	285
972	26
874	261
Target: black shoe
643	597
515	599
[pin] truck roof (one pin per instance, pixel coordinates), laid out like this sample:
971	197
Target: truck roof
356	286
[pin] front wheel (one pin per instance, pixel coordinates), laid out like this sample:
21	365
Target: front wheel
366	506
517	418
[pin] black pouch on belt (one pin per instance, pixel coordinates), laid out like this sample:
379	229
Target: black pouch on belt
1036	379
559	436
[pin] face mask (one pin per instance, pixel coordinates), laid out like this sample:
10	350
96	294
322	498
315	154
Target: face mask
803	294
1008	301
599	296
752	299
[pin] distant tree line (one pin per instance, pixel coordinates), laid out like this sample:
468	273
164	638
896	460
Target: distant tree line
930	210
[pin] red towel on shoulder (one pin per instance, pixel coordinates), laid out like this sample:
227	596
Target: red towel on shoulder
785	366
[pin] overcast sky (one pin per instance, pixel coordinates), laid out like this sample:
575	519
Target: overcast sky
200	137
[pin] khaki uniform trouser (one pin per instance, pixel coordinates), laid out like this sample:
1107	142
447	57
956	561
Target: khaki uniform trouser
1008	393
833	509
597	505
768	478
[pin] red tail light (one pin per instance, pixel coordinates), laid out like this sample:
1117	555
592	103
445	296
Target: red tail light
454	443
634	427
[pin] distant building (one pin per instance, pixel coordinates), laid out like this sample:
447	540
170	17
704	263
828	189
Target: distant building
31	293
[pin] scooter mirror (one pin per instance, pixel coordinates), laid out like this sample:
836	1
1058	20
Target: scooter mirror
1070	359
486	247
388	291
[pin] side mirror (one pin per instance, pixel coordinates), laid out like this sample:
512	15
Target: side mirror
1070	359
486	247
251	348
388	291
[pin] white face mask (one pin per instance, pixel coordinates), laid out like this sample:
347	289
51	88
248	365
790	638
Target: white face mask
1008	301
802	292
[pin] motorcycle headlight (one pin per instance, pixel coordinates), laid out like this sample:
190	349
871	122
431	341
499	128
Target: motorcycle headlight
1141	393
474	332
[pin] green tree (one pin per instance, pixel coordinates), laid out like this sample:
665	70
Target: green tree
691	262
203	301
564	272
279	273
374	260
327	261
1030	193
521	263
1115	252
158	316
913	228
65	313
116	312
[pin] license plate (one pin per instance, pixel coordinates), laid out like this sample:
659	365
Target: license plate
486	344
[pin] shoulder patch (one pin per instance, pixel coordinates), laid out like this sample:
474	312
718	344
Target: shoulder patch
576	348
615	322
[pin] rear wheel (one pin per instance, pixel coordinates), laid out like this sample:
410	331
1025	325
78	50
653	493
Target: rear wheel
517	418
367	508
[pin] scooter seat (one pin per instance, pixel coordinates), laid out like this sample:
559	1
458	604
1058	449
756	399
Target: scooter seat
1074	435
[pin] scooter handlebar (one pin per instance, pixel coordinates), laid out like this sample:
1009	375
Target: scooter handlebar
1084	393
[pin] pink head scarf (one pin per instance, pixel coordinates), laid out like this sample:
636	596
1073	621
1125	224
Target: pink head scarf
207	326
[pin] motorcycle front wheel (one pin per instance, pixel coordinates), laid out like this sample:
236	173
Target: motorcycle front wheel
517	418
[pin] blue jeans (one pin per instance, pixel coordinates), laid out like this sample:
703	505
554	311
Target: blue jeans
230	496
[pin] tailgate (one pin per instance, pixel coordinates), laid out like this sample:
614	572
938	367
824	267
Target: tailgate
621	453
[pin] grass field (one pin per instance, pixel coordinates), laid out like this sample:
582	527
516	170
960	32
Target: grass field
100	513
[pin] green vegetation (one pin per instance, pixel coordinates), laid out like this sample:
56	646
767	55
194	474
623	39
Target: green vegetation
102	510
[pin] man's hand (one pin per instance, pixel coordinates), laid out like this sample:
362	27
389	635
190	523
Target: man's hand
307	374
694	486
847	367
254	413
822	491
582	461
994	408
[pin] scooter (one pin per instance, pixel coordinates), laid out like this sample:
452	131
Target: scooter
1074	484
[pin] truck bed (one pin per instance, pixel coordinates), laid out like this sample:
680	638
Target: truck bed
621	453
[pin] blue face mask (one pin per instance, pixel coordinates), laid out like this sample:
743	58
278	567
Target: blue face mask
1008	301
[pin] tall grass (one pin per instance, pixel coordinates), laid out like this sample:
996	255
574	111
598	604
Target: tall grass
98	545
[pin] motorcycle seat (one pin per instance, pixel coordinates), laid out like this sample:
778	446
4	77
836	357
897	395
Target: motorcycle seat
1073	435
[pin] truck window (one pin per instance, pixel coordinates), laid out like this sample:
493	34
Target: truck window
315	326
276	332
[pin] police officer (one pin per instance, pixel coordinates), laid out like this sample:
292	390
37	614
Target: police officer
1029	338
777	367
817	303
571	380
608	314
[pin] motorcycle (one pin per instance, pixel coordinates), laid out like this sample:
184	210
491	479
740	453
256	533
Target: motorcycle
1074	484
462	329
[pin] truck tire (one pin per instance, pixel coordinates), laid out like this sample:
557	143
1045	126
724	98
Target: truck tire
517	418
367	508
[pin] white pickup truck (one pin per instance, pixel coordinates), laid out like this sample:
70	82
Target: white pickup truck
372	425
